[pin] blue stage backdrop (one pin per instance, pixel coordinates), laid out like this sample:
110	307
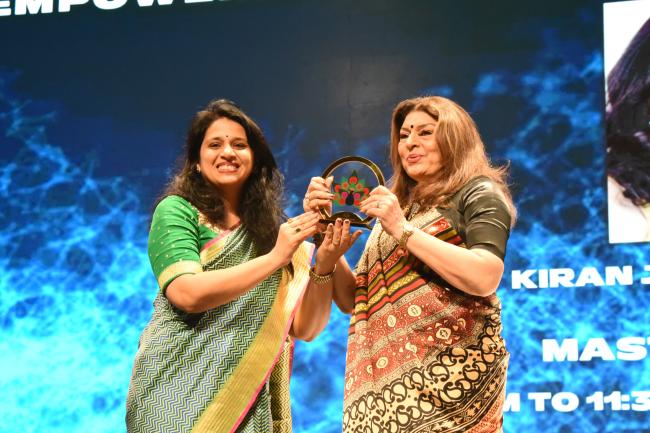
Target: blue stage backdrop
95	97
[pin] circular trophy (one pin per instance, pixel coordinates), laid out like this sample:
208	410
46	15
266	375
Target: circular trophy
354	178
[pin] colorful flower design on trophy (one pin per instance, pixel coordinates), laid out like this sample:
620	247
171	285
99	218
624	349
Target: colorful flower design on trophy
354	178
351	190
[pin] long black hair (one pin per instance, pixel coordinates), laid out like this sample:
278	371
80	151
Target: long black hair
627	119
261	201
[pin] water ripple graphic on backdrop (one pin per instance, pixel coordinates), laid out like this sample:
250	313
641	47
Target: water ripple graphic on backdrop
74	269
77	287
557	156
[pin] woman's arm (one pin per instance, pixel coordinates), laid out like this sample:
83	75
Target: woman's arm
318	196
476	271
314	311
195	293
344	286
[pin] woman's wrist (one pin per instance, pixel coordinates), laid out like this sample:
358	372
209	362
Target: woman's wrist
324	263
321	278
323	268
405	233
397	230
276	260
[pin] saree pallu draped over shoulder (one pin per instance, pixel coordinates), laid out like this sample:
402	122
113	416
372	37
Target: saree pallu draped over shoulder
226	369
422	356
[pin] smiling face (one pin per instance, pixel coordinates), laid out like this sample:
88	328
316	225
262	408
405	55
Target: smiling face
225	157
417	147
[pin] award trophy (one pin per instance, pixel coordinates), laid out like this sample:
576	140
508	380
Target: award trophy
354	178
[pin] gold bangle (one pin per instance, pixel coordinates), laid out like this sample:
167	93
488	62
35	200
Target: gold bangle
407	231
321	279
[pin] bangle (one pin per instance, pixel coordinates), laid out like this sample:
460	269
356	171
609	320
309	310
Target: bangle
321	279
407	231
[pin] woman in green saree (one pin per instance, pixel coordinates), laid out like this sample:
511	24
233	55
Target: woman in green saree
235	287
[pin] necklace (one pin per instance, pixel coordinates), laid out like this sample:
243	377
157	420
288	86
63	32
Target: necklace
217	228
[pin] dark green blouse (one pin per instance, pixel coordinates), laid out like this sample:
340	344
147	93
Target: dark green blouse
480	215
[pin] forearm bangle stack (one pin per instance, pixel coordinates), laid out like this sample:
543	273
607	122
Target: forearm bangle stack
321	279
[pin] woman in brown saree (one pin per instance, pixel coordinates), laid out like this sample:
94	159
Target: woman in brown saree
425	352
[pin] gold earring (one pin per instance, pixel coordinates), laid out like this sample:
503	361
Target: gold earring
198	168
